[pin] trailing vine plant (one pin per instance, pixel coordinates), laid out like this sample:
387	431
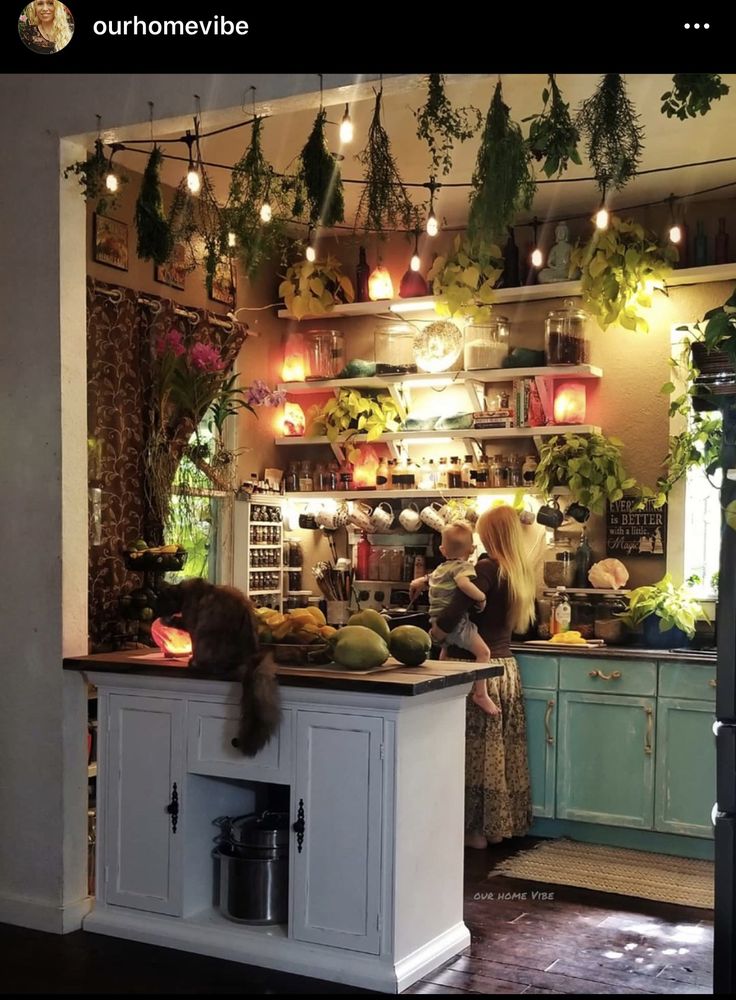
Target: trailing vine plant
384	203
463	281
351	413
615	139
91	173
313	287
692	94
154	235
503	180
553	136
321	176
440	125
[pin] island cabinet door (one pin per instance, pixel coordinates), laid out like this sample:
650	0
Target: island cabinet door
605	759
686	767
336	847
144	808
541	738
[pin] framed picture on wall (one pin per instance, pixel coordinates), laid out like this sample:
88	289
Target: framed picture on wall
174	271
110	242
223	283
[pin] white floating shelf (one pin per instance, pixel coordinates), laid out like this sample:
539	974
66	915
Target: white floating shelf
425	380
418	437
414	494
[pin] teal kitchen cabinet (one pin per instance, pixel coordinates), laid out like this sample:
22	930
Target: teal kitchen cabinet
539	680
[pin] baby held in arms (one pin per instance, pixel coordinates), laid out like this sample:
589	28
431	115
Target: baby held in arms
457	572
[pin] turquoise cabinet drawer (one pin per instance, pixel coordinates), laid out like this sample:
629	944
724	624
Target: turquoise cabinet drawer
601	676
687	680
538	671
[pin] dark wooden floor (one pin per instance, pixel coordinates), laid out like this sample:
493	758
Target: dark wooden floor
574	941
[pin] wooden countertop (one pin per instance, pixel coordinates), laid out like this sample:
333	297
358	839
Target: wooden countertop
615	653
398	680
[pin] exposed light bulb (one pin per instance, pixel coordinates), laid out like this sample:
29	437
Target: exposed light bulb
231	239
415	262
311	254
111	183
675	234
537	258
601	218
194	182
266	212
346	127
433	226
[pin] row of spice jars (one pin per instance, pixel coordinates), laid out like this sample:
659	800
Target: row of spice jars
265	581
264	534
264	513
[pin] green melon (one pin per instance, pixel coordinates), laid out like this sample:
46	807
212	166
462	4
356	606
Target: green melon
372	620
410	645
356	647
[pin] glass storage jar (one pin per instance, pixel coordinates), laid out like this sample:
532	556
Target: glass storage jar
487	345
583	615
393	349
325	353
559	564
565	341
544	614
607	625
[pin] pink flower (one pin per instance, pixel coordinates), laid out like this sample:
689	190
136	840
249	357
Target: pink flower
206	358
23	18
173	342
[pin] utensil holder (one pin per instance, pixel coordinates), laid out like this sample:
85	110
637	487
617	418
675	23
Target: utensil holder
338	612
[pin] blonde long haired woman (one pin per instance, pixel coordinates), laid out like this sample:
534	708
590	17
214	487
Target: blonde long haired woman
46	26
497	790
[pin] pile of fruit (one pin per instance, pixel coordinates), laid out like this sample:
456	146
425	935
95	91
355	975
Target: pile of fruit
143	556
569	638
367	642
302	626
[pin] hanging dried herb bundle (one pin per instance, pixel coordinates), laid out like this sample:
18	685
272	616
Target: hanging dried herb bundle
91	173
614	136
553	136
183	227
384	202
154	237
503	180
321	176
252	183
692	94
441	125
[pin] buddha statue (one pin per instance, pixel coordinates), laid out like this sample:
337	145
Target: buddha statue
558	262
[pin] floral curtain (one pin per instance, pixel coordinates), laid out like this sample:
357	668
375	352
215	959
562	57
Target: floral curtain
122	339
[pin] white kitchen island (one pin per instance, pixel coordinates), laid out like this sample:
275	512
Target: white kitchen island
372	767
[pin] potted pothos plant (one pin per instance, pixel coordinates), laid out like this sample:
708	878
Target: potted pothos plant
590	466
463	280
351	413
621	268
666	613
313	287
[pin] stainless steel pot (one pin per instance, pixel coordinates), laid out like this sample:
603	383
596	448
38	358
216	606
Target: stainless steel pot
253	858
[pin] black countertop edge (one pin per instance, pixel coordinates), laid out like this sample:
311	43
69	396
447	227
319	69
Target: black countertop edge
359	682
617	653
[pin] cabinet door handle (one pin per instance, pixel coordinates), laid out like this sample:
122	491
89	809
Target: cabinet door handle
547	714
650	726
712	682
173	808
615	676
298	826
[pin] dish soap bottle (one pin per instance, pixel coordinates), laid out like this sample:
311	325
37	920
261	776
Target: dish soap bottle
561	613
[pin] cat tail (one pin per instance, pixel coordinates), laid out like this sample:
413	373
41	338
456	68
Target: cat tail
260	711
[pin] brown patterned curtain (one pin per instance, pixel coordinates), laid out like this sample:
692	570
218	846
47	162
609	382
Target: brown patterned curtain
121	339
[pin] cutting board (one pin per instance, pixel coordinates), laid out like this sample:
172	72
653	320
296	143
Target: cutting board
548	644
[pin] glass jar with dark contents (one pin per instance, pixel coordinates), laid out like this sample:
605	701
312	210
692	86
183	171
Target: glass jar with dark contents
565	342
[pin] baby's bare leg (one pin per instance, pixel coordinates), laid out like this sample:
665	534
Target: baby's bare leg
480	689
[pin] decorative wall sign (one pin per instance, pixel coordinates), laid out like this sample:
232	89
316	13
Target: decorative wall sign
632	532
111	242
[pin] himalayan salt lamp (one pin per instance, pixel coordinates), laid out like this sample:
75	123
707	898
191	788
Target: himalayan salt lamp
295	367
412	285
364	469
380	285
294	423
569	404
171	641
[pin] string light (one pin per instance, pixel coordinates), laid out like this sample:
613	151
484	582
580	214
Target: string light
310	253
111	180
266	211
433	226
537	258
602	217
346	127
232	239
675	232
415	263
194	181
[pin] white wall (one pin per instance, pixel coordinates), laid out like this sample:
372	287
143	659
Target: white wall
43	466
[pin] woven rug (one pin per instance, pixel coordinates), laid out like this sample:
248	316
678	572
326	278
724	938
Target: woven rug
613	869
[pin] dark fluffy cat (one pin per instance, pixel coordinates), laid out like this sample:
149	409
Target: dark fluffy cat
222	625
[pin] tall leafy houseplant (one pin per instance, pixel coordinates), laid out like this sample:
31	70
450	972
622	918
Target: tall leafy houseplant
591	468
463	280
351	413
621	268
313	287
614	137
441	126
503	180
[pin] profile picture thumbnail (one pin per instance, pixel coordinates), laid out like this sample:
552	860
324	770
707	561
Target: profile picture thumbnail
46	26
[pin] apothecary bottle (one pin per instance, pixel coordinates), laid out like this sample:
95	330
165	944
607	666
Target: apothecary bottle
565	340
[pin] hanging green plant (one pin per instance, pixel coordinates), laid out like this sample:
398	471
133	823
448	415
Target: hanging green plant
692	94
614	136
313	287
351	413
441	126
384	202
321	174
91	173
503	181
463	280
154	236
553	136
590	466
621	268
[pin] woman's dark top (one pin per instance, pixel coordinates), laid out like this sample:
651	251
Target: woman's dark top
491	622
35	41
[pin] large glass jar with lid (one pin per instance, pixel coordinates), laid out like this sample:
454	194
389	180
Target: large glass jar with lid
486	345
565	336
393	349
559	564
607	625
325	353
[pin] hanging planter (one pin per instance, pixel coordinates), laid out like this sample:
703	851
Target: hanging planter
615	139
321	176
154	235
384	203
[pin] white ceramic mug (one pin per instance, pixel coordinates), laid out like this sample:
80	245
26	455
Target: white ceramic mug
330	520
409	518
382	517
447	513
360	516
432	517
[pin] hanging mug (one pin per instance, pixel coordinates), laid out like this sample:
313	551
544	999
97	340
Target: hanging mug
382	517
409	518
447	513
432	517
360	516
578	511
550	515
330	520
